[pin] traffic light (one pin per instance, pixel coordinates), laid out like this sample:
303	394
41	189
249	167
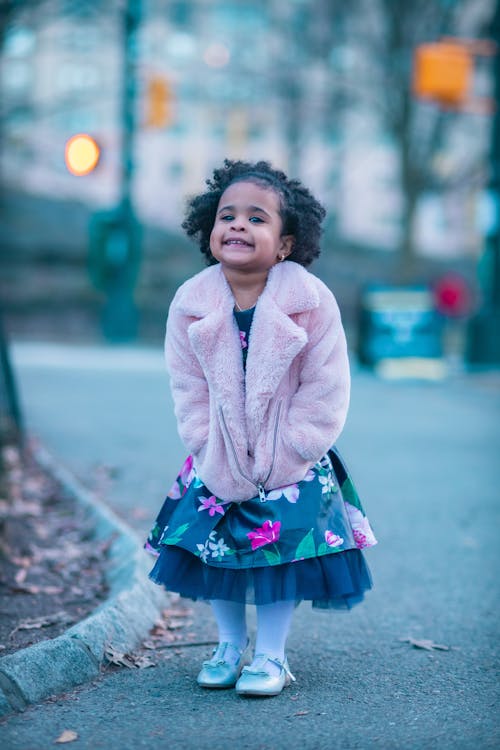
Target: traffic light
442	72
81	154
159	103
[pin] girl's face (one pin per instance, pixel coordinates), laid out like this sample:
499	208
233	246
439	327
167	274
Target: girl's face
246	235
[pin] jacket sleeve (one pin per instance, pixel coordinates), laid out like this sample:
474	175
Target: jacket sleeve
318	409
187	381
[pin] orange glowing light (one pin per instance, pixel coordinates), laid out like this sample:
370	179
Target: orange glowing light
443	72
159	103
81	154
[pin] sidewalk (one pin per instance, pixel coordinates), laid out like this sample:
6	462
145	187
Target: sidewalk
425	459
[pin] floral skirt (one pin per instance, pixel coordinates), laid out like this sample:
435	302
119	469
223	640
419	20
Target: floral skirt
303	542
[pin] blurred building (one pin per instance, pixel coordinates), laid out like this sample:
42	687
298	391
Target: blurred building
260	79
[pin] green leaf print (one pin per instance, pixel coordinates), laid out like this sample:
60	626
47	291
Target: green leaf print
306	546
176	536
350	495
273	558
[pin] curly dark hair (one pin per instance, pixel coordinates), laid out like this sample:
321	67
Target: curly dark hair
300	212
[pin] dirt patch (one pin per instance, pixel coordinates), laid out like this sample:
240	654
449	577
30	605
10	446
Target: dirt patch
52	570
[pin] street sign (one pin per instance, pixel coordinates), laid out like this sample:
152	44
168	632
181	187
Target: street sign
398	323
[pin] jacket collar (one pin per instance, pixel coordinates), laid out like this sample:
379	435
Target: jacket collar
289	284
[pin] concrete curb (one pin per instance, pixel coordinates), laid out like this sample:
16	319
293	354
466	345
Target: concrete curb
134	603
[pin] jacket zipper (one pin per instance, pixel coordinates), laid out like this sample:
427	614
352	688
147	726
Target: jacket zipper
260	486
275	438
233	448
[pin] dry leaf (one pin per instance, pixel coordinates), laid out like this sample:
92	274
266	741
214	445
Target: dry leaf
424	643
22	562
20	576
43	622
143	662
176	612
301	713
118	658
128	660
32	589
176	624
67	736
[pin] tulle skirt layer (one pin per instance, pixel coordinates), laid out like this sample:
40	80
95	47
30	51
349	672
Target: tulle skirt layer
335	581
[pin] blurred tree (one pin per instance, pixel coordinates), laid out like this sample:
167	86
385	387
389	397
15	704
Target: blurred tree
312	97
10	413
11	430
419	131
9	12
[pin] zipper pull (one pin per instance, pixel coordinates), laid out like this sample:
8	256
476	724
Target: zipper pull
262	493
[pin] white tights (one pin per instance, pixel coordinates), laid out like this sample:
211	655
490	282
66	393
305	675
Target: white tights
273	625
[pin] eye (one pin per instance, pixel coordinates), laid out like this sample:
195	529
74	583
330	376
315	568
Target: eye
256	220
227	217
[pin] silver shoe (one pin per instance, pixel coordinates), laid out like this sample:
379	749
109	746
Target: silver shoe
219	673
256	680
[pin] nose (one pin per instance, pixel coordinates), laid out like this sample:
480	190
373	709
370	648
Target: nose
238	224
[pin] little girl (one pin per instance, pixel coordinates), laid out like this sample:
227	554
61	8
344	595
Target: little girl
263	510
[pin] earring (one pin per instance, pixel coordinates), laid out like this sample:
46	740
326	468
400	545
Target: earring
281	257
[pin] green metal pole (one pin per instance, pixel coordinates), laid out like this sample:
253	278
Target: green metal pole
131	23
483	344
122	232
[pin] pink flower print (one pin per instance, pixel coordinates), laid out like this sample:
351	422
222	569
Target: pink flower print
210	504
187	473
268	533
186	476
309	476
291	492
361	529
186	469
360	539
243	340
333	540
151	550
174	493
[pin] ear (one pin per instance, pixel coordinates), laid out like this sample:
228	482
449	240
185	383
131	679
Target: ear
286	244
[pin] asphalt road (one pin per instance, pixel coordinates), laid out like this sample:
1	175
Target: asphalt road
425	459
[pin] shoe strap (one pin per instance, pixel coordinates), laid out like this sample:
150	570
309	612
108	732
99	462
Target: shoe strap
263	658
220	651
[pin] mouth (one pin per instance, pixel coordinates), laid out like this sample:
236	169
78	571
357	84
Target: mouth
237	243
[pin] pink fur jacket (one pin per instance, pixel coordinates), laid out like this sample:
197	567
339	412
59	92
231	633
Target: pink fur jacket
264	428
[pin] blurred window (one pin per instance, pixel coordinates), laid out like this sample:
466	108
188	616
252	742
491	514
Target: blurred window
178	127
82	8
249	18
74	120
19	119
181	13
181	46
19	42
80	39
175	170
256	131
74	77
17	76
